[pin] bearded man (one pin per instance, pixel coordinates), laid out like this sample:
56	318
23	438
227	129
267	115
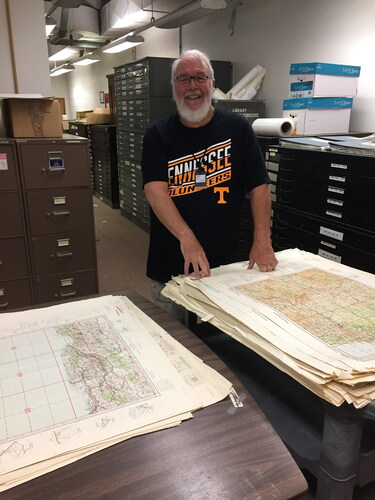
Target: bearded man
198	165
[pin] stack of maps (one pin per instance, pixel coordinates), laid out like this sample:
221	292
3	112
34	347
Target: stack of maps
76	378
312	318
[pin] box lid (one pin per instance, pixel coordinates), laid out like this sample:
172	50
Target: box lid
324	69
318	103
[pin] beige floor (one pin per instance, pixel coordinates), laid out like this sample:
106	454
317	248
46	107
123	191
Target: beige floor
121	251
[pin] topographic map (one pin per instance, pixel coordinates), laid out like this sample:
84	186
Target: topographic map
67	372
334	308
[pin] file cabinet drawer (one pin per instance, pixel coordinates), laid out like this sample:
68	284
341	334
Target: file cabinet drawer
54	165
69	251
56	210
8	176
13	263
64	286
14	293
11	215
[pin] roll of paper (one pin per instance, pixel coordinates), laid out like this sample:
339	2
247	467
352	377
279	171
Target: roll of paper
278	127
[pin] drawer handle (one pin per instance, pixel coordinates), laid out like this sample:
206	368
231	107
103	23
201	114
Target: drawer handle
56	169
68	294
56	213
64	254
4	304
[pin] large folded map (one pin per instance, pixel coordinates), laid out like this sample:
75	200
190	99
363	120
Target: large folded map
311	317
78	377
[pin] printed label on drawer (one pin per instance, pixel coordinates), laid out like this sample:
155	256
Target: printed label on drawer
59	200
336	178
333	189
2	292
67	282
339	165
336	235
333	201
273	197
327	244
338	215
3	161
271	165
272	176
272	188
329	255
63	243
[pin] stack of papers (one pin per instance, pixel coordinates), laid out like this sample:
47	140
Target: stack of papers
79	377
312	318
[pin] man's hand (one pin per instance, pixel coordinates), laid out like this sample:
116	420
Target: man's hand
194	255
263	256
166	211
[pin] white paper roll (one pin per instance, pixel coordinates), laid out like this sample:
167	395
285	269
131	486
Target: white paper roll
278	127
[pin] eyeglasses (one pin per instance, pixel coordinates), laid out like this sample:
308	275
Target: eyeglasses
185	79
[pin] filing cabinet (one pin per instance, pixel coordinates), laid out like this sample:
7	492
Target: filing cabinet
57	210
15	273
104	163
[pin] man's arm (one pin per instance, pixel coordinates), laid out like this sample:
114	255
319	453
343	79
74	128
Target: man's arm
156	193
261	252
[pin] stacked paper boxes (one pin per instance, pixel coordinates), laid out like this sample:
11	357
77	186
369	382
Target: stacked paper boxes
321	97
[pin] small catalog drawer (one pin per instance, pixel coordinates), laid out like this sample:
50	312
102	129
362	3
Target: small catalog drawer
13	263
65	286
54	165
59	210
14	293
68	251
11	215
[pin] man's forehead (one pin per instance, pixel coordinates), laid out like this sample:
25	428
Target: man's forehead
192	64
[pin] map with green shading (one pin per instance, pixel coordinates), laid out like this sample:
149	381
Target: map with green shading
335	309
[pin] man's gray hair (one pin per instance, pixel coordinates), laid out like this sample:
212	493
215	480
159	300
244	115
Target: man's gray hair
193	54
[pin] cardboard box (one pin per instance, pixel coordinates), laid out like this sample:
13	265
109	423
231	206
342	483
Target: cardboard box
323	80
33	117
97	116
319	115
81	115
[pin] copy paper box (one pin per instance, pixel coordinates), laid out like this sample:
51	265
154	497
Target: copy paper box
29	117
320	115
323	80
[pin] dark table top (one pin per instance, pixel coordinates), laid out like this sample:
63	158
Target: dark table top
223	452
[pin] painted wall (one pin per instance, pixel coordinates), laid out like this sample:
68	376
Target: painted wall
271	33
23	48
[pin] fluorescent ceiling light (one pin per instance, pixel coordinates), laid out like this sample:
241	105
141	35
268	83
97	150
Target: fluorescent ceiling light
60	70
86	60
64	54
50	24
124	43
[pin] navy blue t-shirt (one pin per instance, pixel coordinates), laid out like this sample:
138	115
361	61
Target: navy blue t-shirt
229	153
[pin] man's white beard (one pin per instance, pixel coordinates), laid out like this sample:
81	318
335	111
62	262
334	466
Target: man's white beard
192	115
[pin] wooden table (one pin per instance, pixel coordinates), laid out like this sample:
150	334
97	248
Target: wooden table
222	453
